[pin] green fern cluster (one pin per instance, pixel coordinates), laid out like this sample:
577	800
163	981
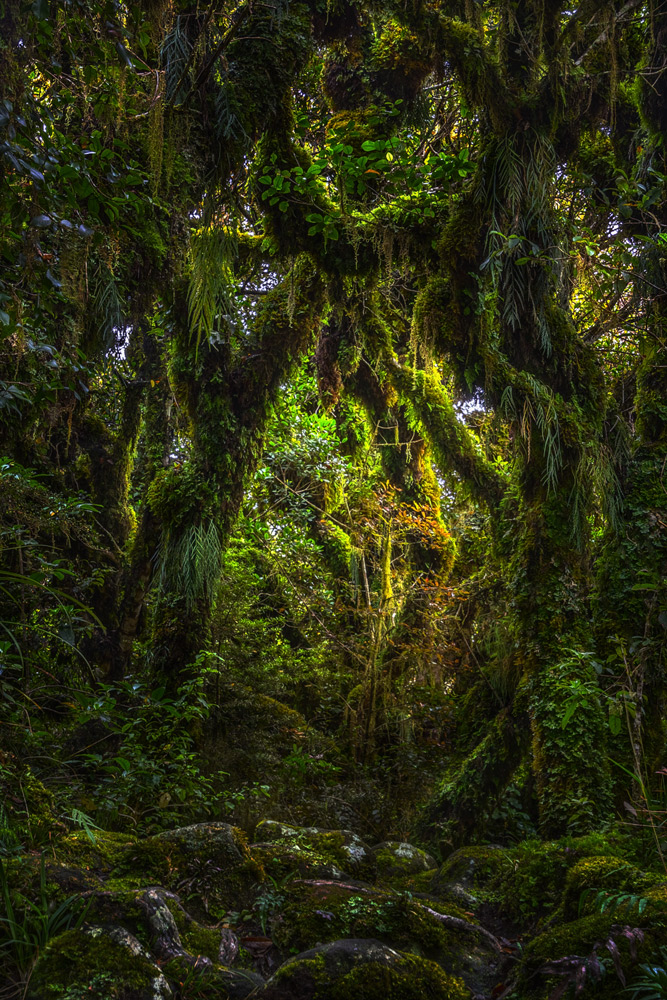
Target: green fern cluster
211	302
190	561
107	304
175	60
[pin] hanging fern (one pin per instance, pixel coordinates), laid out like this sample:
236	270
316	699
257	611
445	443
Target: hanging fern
107	305
211	295
174	58
522	246
189	562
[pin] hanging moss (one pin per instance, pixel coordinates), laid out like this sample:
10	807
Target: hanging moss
336	548
178	494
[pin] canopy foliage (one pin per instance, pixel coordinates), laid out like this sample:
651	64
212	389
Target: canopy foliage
333	361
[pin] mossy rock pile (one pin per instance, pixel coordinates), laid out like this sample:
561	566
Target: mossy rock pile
313	914
524	884
318	911
210	864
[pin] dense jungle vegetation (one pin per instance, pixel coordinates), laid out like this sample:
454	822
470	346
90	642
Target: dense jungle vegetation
333	469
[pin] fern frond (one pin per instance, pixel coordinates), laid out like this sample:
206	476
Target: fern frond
174	57
211	289
107	305
189	561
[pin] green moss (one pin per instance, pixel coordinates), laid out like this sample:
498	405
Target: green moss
453	445
213	858
195	937
333	974
103	855
336	547
76	958
338	849
178	493
281	861
578	937
526	882
328	912
315	967
608	874
420	883
475	863
396	860
477	68
459	809
411	979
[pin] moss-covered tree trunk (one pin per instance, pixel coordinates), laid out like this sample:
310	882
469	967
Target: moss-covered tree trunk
227	402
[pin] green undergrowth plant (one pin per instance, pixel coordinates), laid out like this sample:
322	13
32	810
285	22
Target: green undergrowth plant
30	924
272	898
608	902
651	984
152	778
9	840
647	812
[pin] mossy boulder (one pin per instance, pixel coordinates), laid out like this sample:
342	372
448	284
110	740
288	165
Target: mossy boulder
212	863
104	963
285	861
101	855
24	876
466	873
209	864
341	851
396	859
522	884
250	734
597	943
355	968
321	911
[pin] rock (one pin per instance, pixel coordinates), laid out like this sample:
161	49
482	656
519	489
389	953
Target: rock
210	864
575	950
100	963
341	851
165	939
395	859
285	861
361	968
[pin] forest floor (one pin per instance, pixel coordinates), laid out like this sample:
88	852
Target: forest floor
316	891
